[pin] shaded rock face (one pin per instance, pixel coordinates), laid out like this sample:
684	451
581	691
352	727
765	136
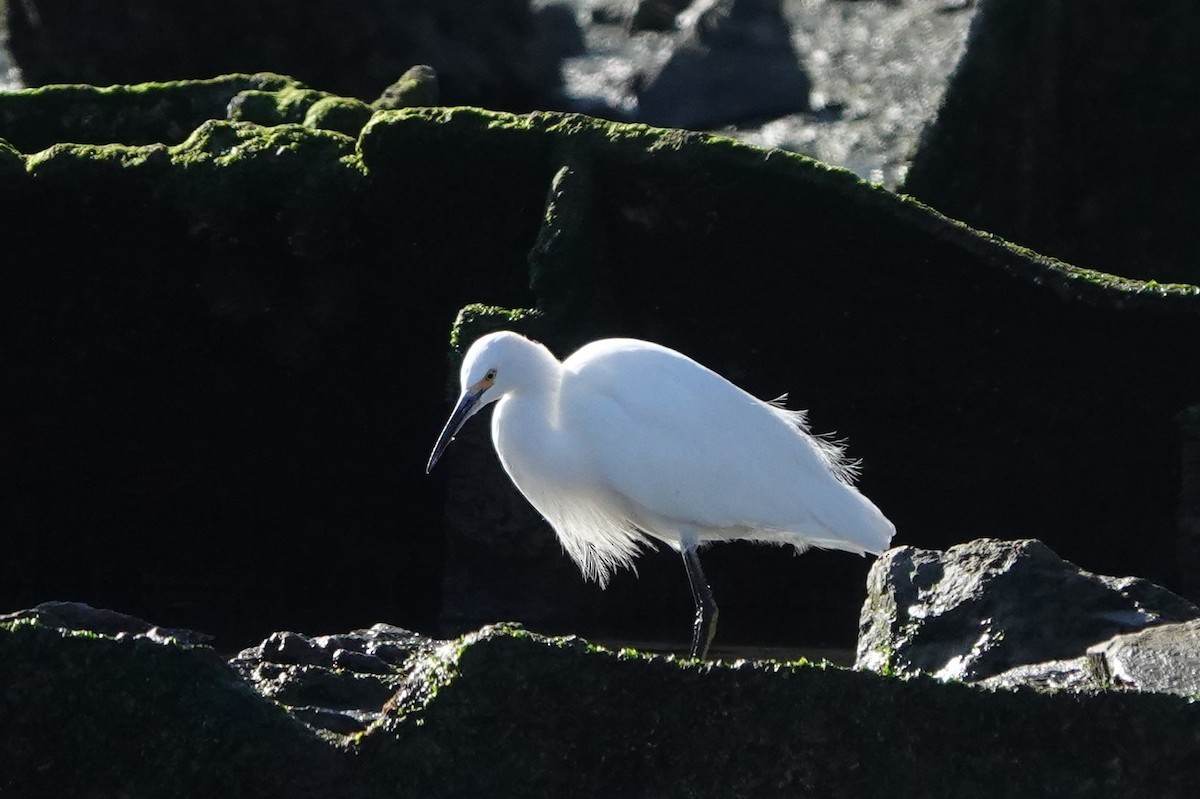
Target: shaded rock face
502	712
735	63
229	358
1189	503
656	15
489	54
1070	127
987	606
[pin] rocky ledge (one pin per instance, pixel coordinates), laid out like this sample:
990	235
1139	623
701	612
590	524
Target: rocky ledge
105	702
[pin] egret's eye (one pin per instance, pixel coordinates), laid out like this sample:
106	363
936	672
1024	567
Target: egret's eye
491	375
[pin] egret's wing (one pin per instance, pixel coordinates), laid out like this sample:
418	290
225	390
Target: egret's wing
691	449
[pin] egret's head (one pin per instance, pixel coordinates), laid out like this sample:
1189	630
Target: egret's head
488	372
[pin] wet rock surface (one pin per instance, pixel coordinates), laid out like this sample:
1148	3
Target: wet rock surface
338	683
1016	612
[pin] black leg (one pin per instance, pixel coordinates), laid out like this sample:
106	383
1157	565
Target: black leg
706	607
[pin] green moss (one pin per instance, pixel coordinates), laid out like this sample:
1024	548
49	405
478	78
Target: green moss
418	86
478	320
288	105
342	114
34	119
555	717
141	718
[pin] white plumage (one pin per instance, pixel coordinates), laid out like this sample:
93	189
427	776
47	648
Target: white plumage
626	440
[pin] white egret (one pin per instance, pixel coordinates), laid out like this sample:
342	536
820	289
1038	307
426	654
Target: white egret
627	441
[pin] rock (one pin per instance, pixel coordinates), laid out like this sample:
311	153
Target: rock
1035	134
269	108
734	63
81	616
271	271
417	86
1081	674
89	713
1188	518
336	683
485	55
503	712
656	15
342	114
987	606
1165	658
146	113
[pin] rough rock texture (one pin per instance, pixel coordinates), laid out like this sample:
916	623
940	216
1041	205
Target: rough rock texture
987	606
1072	128
167	113
227	354
1164	658
735	63
84	713
507	713
490	54
1160	659
338	683
417	86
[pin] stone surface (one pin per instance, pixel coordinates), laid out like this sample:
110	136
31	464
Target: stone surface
288	291
81	616
1070	128
735	63
987	606
417	86
167	113
506	713
490	54
1164	658
336	683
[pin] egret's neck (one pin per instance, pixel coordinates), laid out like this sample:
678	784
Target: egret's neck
526	425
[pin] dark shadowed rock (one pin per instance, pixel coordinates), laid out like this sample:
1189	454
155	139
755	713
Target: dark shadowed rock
735	63
487	54
503	712
81	616
1070	127
1188	550
984	607
417	86
656	15
288	291
166	113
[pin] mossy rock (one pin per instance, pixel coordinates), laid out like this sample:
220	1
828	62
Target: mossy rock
341	114
289	105
33	119
506	712
289	292
86	713
416	87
